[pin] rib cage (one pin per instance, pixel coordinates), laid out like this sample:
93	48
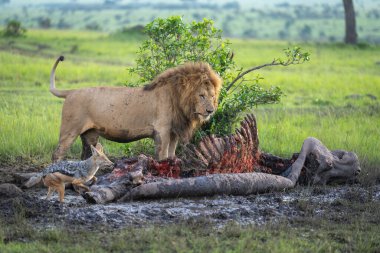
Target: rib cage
236	153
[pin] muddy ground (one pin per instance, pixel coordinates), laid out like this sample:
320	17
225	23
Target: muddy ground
332	202
254	209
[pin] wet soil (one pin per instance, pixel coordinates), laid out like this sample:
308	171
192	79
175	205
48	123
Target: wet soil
254	209
293	205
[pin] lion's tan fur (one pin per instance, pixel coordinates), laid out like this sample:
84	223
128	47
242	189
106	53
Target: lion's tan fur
170	108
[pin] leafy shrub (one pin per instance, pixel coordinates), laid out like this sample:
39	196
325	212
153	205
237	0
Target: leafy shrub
172	42
14	29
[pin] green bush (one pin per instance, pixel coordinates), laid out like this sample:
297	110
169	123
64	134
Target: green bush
14	29
172	42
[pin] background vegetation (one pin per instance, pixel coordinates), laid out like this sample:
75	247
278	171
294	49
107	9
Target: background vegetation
314	20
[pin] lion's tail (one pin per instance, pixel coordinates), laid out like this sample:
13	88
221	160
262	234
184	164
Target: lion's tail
53	90
33	181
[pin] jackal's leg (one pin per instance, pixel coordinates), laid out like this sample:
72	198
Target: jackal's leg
90	137
51	181
61	192
50	191
77	184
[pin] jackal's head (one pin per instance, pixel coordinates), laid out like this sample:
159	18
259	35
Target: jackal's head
98	157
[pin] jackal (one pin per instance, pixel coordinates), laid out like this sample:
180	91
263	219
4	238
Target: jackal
77	173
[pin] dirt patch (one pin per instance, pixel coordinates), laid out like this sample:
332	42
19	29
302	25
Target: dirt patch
220	210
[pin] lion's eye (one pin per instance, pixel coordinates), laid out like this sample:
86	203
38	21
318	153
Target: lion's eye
202	96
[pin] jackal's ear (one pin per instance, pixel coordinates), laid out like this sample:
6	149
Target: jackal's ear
94	151
99	147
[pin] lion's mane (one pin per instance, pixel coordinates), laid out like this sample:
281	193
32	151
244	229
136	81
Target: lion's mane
184	81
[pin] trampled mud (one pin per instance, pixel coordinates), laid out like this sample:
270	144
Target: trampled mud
218	210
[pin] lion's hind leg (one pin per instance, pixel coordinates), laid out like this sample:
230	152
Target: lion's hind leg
90	137
71	127
65	141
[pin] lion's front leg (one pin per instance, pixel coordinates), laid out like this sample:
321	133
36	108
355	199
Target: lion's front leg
162	141
172	145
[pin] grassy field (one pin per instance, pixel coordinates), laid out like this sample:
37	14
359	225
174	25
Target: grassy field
346	238
334	97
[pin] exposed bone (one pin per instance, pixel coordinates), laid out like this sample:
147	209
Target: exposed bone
212	149
332	165
193	159
204	151
219	145
201	157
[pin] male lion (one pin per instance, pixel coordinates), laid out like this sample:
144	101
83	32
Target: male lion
168	109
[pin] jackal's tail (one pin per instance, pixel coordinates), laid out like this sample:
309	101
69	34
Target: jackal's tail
33	181
53	90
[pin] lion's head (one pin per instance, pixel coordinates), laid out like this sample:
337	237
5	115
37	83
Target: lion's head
194	89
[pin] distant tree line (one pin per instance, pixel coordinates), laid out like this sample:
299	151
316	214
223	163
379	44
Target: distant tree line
235	21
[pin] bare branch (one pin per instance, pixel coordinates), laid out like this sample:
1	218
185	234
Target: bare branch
274	63
293	56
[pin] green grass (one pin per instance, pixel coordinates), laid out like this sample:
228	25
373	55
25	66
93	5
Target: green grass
200	237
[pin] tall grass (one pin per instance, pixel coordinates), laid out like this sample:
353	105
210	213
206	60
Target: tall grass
283	130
